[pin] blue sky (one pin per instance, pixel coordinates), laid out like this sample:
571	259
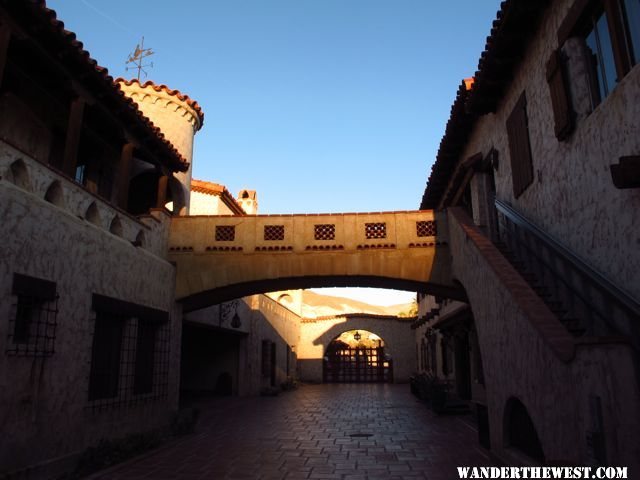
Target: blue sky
319	105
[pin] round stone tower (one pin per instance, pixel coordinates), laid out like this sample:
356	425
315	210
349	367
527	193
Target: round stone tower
178	117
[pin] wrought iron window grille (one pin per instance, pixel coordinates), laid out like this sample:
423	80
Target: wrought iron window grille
32	317
130	362
32	326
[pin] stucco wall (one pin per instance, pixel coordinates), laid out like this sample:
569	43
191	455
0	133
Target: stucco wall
262	318
519	362
316	334
205	204
43	402
572	196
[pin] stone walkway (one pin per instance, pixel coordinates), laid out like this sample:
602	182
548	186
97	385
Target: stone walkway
348	432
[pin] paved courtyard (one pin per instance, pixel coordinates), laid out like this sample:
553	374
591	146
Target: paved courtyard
348	432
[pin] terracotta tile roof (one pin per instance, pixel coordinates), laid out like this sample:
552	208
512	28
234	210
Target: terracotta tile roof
41	23
206	187
159	88
515	24
221	191
455	137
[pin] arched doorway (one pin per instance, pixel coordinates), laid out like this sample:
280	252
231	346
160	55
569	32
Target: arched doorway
357	356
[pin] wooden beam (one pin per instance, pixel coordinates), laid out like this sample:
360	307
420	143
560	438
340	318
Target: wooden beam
124	170
74	129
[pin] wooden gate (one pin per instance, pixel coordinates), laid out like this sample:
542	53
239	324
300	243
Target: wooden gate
357	365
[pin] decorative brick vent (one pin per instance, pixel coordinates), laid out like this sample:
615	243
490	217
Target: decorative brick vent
375	230
426	228
273	232
225	233
325	232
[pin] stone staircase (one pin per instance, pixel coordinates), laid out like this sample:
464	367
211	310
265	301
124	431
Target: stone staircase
572	323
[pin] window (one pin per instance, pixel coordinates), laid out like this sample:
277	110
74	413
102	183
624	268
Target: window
33	318
105	357
145	356
519	147
598	40
130	354
80	174
631	17
609	31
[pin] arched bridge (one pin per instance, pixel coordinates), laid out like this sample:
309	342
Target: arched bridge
223	257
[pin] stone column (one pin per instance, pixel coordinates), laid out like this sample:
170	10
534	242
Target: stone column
74	130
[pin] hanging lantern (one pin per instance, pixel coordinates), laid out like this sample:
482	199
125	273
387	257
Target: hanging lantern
357	336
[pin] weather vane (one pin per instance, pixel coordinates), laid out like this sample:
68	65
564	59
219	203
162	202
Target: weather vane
137	58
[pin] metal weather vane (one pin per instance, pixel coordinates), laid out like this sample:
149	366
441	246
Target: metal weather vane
137	58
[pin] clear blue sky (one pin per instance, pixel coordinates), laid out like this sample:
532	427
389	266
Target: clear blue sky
319	105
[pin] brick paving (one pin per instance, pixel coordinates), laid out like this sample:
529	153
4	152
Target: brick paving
346	432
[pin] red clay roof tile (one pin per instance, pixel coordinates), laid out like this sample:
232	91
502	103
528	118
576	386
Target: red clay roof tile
42	23
162	87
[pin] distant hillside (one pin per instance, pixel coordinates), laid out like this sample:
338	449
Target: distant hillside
316	305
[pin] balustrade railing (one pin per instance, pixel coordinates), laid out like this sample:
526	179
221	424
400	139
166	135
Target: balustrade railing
584	296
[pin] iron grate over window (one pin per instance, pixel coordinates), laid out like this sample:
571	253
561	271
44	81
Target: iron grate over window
375	230
129	362
225	233
324	232
273	232
32	326
33	317
426	228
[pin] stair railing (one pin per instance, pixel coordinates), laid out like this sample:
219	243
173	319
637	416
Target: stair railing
599	306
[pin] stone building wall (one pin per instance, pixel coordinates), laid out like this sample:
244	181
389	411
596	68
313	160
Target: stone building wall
261	318
572	196
205	204
44	408
527	355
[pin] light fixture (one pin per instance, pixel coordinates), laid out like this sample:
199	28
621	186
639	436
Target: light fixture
235	321
357	336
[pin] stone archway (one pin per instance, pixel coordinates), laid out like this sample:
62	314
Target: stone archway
357	356
317	334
